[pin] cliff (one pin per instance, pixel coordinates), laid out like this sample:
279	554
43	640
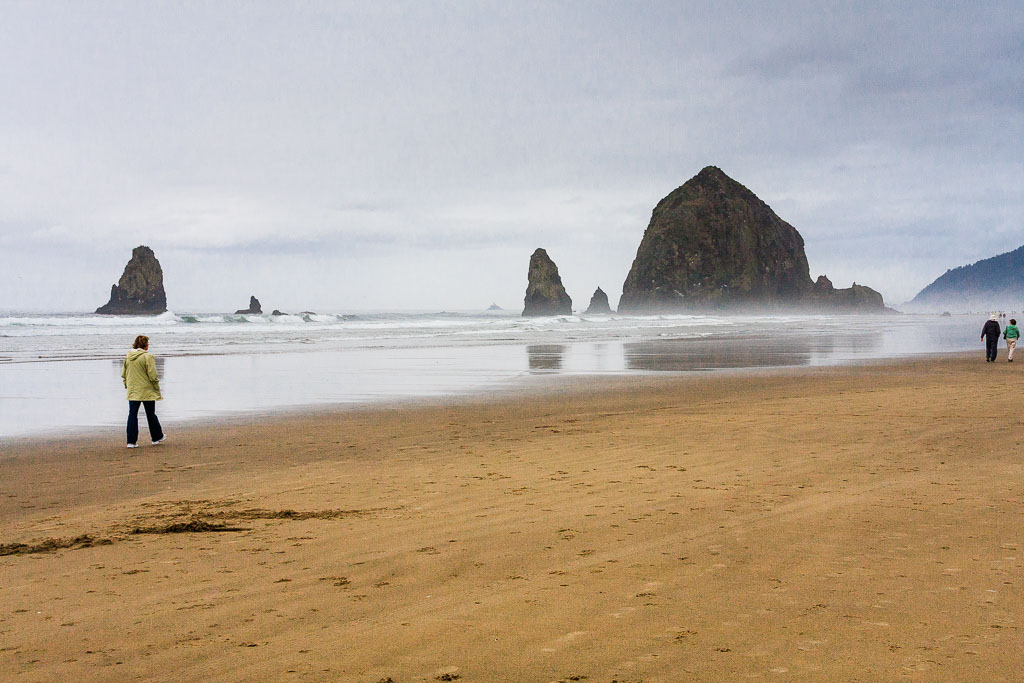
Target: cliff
140	291
545	294
995	283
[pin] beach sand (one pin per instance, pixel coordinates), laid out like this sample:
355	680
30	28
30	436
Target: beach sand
851	523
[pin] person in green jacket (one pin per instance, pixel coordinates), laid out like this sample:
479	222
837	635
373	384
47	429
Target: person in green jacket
138	372
1011	334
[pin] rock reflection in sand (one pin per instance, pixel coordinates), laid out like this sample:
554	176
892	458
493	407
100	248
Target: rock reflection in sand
688	354
45	395
545	357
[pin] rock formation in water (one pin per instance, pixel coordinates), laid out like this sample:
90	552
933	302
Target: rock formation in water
545	294
855	299
254	307
712	245
140	291
599	303
277	312
495	307
992	284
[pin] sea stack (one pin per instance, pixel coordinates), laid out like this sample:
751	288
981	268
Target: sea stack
545	294
140	291
856	298
713	245
254	307
599	303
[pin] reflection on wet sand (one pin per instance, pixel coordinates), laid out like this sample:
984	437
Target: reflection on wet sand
545	357
161	362
688	354
38	397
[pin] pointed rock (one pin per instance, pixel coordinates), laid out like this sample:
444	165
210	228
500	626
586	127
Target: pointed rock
254	307
599	303
140	291
545	294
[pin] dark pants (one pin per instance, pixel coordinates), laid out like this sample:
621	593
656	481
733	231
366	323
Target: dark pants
155	431
991	347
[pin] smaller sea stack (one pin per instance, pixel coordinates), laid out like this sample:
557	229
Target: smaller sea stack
599	303
140	291
545	294
254	307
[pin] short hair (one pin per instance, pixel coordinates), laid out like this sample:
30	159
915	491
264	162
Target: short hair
1012	321
141	342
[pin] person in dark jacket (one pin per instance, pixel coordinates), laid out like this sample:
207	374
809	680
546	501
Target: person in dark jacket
990	335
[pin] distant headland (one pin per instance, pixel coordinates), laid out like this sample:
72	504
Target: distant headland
995	283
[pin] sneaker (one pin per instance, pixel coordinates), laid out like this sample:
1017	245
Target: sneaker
160	440
133	445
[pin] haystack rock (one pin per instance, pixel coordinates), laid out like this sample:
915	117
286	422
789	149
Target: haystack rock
140	291
599	303
545	294
713	245
254	307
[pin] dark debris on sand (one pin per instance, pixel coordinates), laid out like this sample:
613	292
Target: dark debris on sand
193	526
51	544
216	520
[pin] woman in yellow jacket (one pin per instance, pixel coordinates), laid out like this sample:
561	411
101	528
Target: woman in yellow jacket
143	386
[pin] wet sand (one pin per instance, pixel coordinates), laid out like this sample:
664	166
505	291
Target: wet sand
852	523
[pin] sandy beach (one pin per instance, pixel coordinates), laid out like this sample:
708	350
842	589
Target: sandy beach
843	523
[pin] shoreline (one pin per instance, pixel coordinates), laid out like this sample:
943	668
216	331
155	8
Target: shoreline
346	367
521	387
854	521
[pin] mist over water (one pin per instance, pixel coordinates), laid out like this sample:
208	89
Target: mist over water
62	372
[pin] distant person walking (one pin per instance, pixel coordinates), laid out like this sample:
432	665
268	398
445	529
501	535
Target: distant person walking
990	334
1011	334
143	386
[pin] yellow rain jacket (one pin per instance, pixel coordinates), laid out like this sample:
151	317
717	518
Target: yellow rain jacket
139	375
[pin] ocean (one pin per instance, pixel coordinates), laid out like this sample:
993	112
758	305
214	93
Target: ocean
60	373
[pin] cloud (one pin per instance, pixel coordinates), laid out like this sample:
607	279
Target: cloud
888	134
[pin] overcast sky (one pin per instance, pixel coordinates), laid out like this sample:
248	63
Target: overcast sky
384	155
